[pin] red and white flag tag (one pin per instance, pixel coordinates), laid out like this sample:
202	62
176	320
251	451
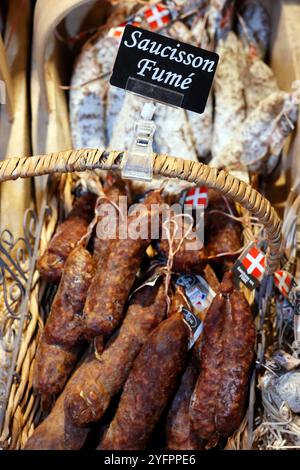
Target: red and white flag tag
158	16
284	281
196	197
254	262
119	30
250	266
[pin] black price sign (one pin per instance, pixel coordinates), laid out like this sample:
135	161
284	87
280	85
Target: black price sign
164	69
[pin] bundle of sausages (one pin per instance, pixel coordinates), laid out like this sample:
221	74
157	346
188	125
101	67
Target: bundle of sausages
145	333
117	349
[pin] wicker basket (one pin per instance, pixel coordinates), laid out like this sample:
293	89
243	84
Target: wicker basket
22	412
163	165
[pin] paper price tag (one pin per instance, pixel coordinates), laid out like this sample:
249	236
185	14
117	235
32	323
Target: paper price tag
197	290
195	325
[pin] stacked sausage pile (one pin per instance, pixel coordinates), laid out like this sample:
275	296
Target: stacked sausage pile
115	350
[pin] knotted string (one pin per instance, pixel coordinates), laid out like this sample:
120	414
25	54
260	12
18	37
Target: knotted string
167	270
86	237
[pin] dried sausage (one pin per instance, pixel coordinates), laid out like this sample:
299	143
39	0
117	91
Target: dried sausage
187	259
57	432
230	110
180	435
149	386
105	376
61	341
103	245
218	401
223	234
106	299
51	263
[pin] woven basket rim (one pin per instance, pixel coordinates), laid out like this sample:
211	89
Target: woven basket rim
163	165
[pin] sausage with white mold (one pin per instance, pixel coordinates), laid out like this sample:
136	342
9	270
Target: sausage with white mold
259	141
230	109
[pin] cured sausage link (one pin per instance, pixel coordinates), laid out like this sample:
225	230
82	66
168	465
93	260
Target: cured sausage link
149	386
218	401
180	435
238	357
187	259
57	432
203	401
103	245
223	234
105	377
106	299
61	341
67	235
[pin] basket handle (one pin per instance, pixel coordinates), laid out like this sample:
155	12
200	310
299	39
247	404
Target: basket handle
194	172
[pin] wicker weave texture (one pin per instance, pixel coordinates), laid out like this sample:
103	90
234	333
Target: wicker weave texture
163	165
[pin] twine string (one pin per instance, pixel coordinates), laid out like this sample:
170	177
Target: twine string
167	270
86	237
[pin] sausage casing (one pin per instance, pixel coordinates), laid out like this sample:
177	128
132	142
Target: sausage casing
63	333
187	258
218	401
150	385
180	435
51	263
57	432
223	234
106	299
105	377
